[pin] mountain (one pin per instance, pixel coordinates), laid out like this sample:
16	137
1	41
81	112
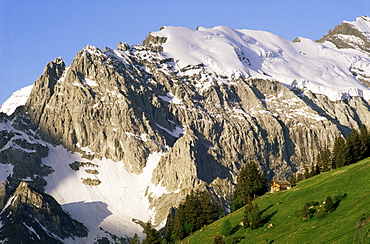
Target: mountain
122	135
282	223
353	35
33	217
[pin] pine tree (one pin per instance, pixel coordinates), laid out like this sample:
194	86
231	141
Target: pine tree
364	142
324	160
152	235
339	153
255	218
169	234
250	184
248	209
197	211
135	239
353	147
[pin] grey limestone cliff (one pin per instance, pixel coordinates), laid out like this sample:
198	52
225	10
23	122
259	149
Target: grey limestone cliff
126	103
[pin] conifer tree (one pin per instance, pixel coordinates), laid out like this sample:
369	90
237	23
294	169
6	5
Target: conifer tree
152	235
135	239
307	173
197	211
365	142
248	209
339	153
252	216
324	160
255	218
169	234
250	184
329	204
353	147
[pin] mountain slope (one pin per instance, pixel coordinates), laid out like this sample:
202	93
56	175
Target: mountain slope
347	224
126	133
33	217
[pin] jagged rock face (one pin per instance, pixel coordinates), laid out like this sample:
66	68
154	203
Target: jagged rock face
34	217
124	104
347	35
22	150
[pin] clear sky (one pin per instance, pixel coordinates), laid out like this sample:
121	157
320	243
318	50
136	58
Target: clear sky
32	33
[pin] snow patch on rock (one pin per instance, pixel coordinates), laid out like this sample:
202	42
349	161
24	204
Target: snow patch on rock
18	98
120	197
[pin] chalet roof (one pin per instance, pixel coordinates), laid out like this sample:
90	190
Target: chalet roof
281	182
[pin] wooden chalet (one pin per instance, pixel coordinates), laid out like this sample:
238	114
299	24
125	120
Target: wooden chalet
280	185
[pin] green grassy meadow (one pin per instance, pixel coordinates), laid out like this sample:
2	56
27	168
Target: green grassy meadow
347	224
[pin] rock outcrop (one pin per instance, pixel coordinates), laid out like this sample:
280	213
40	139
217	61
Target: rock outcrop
22	149
35	217
4	194
347	35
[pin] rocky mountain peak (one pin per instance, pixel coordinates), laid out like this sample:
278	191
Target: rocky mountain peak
38	217
355	34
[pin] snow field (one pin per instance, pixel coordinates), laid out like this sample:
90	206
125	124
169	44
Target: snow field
112	204
319	67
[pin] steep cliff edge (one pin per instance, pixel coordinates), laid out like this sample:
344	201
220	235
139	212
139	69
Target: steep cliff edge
31	216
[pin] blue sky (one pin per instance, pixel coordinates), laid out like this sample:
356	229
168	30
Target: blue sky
32	33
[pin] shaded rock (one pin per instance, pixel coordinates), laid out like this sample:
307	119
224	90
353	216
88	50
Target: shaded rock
35	217
4	194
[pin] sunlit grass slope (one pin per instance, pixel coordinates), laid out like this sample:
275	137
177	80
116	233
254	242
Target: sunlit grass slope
284	225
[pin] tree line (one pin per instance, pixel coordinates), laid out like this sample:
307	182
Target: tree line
200	209
344	152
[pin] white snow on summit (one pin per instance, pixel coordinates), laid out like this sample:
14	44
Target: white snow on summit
319	67
362	24
18	98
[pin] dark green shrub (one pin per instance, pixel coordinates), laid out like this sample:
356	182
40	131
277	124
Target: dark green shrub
320	214
226	228
307	212
236	240
218	239
329	204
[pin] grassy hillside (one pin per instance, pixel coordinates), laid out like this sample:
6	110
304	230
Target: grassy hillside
284	225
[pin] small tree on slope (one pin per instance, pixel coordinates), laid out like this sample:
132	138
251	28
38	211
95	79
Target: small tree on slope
250	183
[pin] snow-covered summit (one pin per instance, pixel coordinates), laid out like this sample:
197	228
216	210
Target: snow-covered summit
18	98
362	24
319	67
